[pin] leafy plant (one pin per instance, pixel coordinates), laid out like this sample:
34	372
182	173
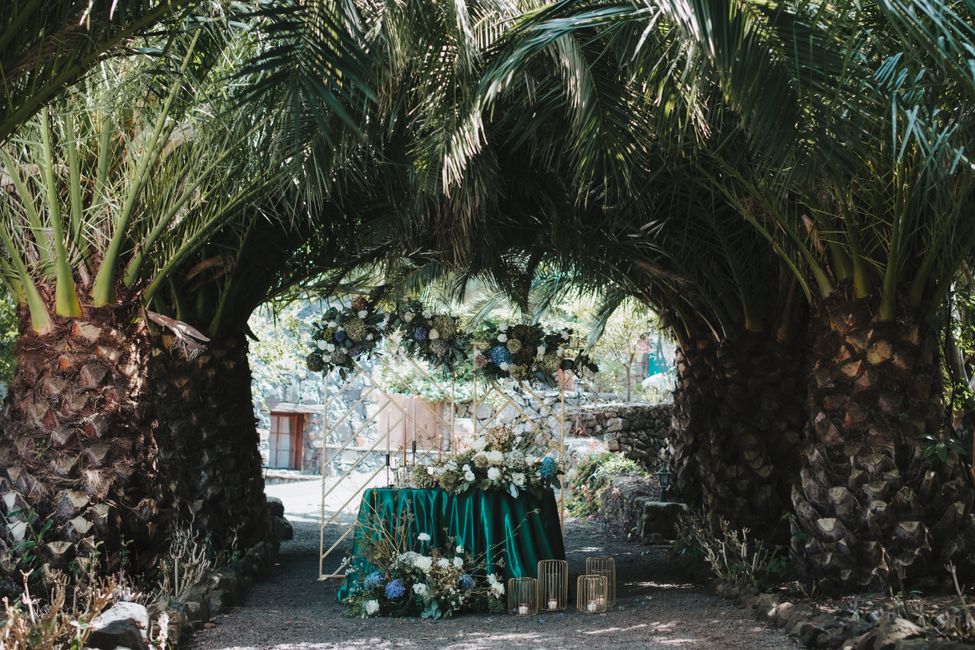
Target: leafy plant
591	478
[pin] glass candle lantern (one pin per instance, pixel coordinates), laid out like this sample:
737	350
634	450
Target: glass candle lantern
591	594
523	596
553	585
604	566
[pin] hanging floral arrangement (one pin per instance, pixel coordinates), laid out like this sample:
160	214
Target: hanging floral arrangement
522	352
436	338
343	336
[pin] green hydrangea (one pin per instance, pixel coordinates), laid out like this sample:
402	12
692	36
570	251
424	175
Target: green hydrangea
356	329
514	346
445	326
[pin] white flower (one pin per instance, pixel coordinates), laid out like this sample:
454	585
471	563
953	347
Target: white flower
424	563
327	358
408	316
459	549
363	313
494	473
503	327
504	366
339	329
531	460
565	336
494	457
430	470
372	606
459	562
541	350
518	479
443	563
322	345
423	537
420	589
469	476
502	338
333	324
427	313
330	347
433	335
497	587
369	336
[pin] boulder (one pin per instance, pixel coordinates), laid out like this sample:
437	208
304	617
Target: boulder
275	506
124	624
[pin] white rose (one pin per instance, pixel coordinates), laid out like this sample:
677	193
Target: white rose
372	606
459	562
424	563
339	329
433	335
541	350
565	336
330	347
495	457
518	479
420	589
322	345
333	324
494	473
430	470
504	366
469	476
427	313
369	337
503	327
327	358
459	549
502	338
408	316
423	537
443	563
363	313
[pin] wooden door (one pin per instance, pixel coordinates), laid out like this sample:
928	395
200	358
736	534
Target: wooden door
285	441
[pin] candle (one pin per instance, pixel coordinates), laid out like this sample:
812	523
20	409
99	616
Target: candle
523	609
553	604
592	606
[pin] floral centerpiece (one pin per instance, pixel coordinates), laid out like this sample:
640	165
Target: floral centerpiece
499	460
523	352
436	338
343	336
428	582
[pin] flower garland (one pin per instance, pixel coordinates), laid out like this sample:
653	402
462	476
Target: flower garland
437	584
499	460
436	338
341	337
522	352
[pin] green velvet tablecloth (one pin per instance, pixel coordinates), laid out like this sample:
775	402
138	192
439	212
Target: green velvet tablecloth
492	523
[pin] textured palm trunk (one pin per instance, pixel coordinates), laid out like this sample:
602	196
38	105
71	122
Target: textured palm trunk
208	438
77	447
871	509
740	417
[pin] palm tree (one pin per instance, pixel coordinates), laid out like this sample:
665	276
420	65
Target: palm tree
853	170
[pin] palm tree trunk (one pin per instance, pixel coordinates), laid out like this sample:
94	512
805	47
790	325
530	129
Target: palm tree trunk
742	432
208	437
78	447
871	509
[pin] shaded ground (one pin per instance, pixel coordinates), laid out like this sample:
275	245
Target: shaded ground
291	610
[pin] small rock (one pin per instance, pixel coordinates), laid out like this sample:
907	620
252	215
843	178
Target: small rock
275	506
123	624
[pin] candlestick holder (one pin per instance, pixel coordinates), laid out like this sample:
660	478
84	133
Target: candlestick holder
604	566
523	596
553	585
591	597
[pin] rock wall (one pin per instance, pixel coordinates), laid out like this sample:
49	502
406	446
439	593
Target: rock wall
637	430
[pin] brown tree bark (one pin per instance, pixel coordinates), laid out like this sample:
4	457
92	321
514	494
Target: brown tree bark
78	446
208	437
872	509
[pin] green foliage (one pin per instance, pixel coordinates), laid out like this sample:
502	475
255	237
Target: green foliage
733	556
8	334
591	478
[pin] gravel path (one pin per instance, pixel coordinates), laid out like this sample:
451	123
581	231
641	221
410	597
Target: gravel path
290	610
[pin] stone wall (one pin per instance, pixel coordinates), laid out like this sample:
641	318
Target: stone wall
638	430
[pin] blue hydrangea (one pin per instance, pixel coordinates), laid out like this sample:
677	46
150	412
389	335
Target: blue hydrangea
373	580
420	334
395	589
467	582
340	336
549	468
499	354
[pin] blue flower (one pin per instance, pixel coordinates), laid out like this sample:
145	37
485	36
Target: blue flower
420	334
499	354
395	589
467	582
373	580
340	336
549	468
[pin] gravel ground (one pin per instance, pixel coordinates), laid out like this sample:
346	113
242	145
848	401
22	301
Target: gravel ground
290	610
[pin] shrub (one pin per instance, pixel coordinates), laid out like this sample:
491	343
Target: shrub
732	555
591	478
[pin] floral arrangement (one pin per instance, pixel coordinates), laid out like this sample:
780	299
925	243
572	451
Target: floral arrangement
523	352
500	460
343	336
436	338
429	582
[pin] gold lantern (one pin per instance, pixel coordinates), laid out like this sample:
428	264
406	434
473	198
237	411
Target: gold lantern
591	594
604	566
553	585
523	596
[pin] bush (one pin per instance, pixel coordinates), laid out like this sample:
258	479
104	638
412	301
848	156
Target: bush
733	557
591	478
